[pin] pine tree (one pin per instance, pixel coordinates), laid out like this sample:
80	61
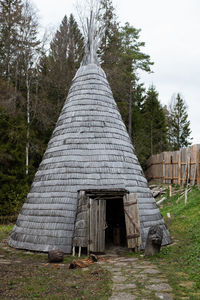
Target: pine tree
132	59
10	21
138	121
66	52
155	137
121	58
179	125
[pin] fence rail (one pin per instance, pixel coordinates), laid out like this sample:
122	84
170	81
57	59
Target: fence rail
179	167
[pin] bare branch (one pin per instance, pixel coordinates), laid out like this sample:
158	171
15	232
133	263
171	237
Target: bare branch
93	28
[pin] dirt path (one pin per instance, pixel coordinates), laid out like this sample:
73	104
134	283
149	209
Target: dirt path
137	279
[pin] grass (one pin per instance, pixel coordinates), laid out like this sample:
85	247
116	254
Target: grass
5	230
32	278
181	260
27	275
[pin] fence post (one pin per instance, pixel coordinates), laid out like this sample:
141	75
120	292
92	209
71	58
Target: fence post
172	167
179	168
163	167
198	169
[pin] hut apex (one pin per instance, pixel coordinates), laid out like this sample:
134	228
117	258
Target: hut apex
89	190
94	33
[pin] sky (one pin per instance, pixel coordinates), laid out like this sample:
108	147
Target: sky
170	30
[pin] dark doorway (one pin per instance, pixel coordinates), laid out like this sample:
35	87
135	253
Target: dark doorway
115	220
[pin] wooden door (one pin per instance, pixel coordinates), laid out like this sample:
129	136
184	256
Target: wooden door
97	221
132	221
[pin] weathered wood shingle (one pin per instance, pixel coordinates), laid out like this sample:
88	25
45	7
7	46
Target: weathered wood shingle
89	149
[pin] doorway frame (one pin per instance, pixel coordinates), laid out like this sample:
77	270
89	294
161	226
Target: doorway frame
131	213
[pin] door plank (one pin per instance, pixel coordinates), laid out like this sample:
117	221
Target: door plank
97	219
132	220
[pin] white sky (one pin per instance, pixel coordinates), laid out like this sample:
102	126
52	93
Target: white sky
170	30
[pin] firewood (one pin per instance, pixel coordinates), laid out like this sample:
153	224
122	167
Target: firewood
161	200
83	263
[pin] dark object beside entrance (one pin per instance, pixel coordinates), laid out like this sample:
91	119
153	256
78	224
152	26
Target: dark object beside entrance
55	256
154	240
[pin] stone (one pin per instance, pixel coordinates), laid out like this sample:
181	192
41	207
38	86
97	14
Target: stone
117	278
159	287
55	256
140	267
122	264
154	240
120	296
124	286
157	280
151	271
164	296
128	260
5	262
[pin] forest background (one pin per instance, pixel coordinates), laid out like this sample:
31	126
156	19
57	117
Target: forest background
35	77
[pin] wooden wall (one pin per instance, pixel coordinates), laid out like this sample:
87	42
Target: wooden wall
178	167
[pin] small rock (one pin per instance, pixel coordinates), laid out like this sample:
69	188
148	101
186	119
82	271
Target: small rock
121	264
117	278
85	269
120	296
159	287
151	271
156	280
5	262
119	287
55	256
164	296
140	267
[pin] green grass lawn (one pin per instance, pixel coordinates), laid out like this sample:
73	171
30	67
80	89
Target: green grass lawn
29	276
181	260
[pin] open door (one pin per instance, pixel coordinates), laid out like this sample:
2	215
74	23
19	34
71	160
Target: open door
93	207
132	221
96	225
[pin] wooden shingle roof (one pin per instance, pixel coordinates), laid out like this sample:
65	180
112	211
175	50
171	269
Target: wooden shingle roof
89	149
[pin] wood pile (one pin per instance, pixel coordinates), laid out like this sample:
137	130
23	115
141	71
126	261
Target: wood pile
85	262
158	190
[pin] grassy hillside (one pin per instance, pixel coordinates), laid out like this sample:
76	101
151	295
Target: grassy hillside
181	260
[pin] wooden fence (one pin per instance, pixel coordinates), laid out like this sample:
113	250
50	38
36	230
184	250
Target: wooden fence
179	167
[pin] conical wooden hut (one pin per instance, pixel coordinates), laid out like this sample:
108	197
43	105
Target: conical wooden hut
89	186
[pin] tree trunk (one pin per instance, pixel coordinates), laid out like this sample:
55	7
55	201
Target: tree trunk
28	121
130	112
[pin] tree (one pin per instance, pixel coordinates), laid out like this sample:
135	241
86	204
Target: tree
10	20
121	58
179	125
28	48
58	68
155	138
133	60
138	121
